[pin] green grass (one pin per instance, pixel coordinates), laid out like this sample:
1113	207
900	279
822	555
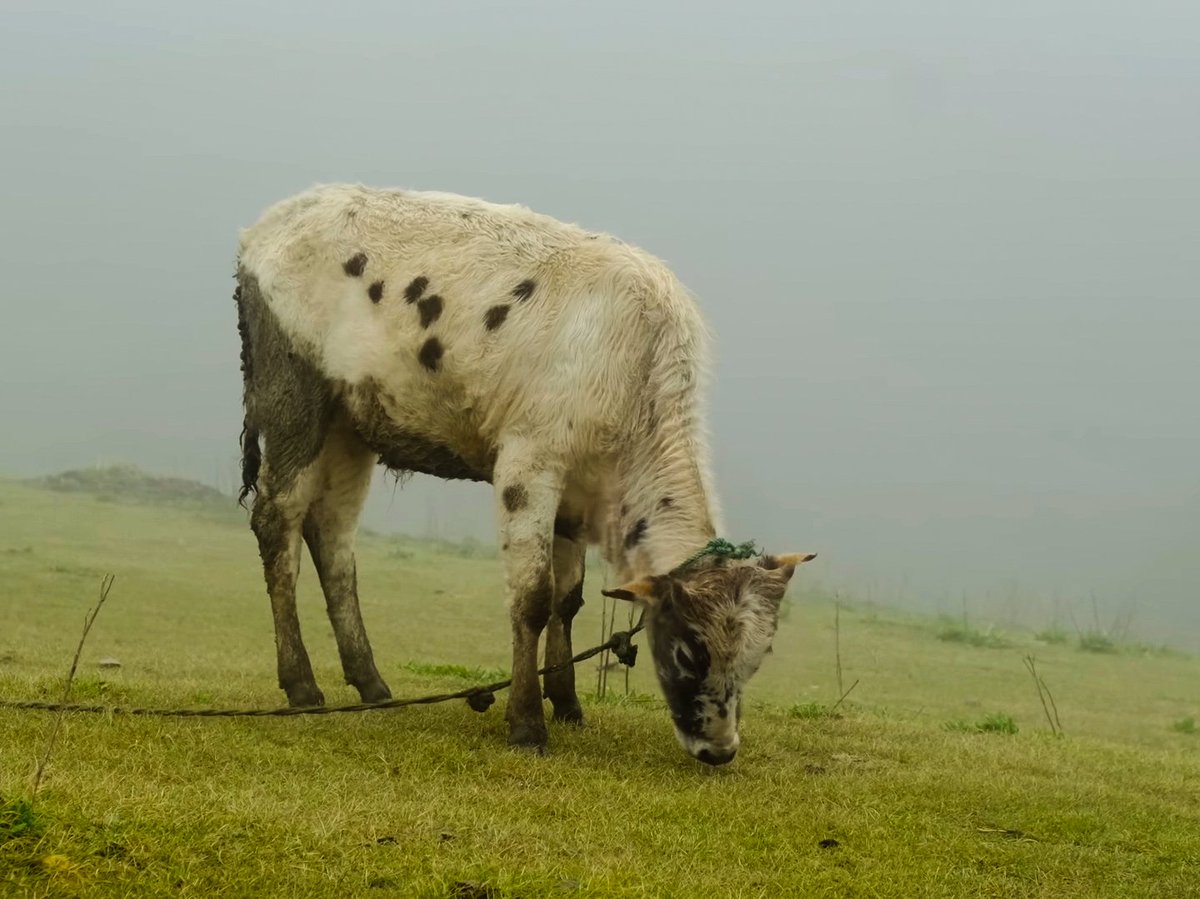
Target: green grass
18	820
960	633
995	723
1100	642
1054	635
811	710
880	799
1096	641
471	673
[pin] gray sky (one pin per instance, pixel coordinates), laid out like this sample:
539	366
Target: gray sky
948	249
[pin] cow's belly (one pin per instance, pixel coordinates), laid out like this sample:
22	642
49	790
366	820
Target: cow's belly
403	444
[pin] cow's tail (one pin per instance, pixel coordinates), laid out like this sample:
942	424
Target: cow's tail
251	450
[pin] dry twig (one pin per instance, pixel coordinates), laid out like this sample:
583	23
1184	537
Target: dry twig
837	638
842	698
88	620
1044	694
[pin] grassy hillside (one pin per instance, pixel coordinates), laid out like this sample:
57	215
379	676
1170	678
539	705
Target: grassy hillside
899	793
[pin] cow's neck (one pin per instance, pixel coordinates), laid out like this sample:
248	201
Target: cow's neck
665	512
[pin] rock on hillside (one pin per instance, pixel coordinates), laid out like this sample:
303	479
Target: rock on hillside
131	484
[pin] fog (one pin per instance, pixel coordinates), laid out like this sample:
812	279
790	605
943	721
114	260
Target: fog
948	251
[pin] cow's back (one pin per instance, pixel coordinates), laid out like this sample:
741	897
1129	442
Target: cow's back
460	318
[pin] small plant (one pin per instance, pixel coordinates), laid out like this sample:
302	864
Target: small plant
1159	650
17	819
958	633
1185	726
1053	635
1108	640
1097	641
996	723
810	710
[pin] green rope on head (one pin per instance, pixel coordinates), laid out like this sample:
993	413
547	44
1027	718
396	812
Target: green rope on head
719	546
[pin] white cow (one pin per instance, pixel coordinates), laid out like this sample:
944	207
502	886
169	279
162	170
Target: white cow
437	333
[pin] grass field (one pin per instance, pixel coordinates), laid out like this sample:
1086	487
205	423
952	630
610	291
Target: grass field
916	786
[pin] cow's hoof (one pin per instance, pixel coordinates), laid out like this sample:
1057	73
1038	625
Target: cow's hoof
374	692
305	696
570	713
527	738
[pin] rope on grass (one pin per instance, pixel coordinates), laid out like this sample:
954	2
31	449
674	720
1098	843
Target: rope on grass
478	698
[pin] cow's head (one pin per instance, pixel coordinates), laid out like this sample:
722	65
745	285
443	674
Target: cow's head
710	627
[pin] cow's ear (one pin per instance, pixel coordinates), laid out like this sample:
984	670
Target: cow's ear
795	558
786	563
640	591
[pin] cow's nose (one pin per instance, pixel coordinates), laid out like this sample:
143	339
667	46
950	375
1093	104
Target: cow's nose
712	756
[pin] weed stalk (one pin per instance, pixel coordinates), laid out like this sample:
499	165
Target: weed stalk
837	638
1044	694
842	698
88	620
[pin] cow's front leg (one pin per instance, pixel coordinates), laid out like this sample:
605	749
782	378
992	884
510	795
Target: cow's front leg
527	498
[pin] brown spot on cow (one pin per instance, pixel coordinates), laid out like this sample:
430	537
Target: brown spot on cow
375	291
515	497
430	308
567	528
636	533
355	265
431	353
666	502
524	290
495	317
416	288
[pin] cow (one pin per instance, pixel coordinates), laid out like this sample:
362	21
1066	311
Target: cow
465	339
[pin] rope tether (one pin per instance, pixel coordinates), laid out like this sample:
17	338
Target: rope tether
478	698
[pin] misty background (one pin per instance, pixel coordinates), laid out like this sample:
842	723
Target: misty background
948	252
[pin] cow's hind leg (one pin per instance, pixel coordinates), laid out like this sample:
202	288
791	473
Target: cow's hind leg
344	476
569	549
276	518
290	405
